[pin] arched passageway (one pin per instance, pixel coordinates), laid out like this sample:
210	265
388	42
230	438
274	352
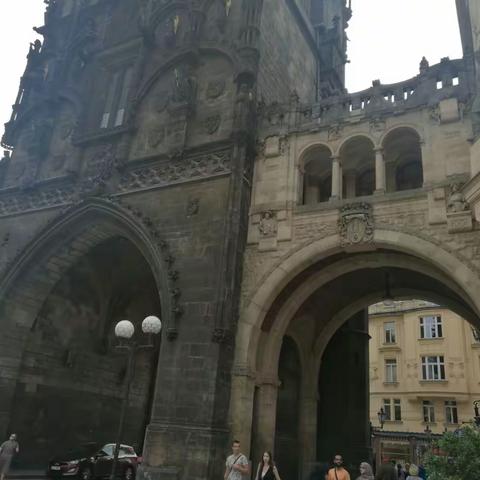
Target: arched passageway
96	264
325	301
71	379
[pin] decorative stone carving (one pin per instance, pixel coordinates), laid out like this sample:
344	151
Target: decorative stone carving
434	113
212	124
193	207
424	66
268	225
184	89
274	114
456	200
35	200
215	88
99	170
356	224
176	171
335	132
377	125
459	215
222	336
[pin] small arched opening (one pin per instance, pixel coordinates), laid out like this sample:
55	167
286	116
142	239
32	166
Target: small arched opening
403	160
317	178
357	159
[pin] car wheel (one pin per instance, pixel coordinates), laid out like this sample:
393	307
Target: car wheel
129	473
86	473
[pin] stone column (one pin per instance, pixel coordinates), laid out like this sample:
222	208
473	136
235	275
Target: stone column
380	174
264	418
242	406
336	178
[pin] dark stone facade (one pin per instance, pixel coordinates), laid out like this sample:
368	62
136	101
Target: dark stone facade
133	139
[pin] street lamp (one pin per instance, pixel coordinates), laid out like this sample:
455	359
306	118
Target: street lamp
382	417
476	408
124	331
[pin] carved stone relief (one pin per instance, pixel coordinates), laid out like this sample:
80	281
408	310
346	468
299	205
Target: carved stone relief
356	224
215	88
212	124
268	225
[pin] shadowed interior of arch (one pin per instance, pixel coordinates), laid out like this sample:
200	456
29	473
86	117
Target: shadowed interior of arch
325	319
71	380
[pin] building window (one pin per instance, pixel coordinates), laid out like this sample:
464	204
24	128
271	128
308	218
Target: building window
428	411
451	412
390	335
397	404
431	327
387	408
433	368
117	98
391	371
395	413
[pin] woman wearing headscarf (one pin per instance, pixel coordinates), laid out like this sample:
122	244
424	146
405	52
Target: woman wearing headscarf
413	474
366	472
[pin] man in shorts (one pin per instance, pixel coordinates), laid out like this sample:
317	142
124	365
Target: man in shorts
7	450
236	466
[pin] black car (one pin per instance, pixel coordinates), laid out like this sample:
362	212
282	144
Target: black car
92	460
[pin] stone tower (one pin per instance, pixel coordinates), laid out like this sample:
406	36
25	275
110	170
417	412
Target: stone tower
124	191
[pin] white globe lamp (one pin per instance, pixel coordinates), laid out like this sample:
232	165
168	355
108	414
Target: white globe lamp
124	329
152	325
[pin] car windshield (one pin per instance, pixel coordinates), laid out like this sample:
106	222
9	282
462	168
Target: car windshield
124	450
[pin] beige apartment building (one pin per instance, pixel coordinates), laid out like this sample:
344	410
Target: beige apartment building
424	373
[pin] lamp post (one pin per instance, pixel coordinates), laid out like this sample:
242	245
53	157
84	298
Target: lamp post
476	408
124	331
428	432
382	417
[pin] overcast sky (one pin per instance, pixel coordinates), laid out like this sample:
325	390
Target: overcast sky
387	40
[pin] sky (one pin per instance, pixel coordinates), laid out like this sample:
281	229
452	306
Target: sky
387	40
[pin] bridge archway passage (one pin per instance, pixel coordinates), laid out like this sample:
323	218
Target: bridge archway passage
319	295
67	385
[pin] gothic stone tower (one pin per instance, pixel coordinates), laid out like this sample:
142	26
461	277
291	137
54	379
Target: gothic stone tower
126	193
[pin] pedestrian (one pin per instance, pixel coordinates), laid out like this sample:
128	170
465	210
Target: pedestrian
400	472
413	475
366	472
386	472
267	469
406	471
338	472
422	473
236	466
7	450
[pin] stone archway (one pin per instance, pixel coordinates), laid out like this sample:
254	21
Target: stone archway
283	293
96	233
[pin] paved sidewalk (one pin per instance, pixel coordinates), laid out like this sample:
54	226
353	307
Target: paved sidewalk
26	474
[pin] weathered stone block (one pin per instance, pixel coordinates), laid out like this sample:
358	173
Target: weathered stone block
460	222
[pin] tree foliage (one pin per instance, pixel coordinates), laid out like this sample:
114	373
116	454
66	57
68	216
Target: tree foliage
456	456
